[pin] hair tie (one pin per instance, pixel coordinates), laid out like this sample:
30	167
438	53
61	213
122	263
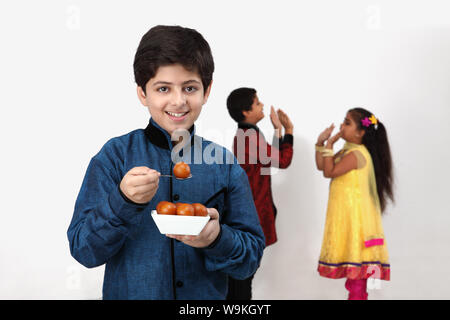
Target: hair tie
366	122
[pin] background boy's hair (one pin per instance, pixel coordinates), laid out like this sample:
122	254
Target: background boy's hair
377	144
240	100
166	45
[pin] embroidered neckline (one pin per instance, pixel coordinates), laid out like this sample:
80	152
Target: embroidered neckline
350	145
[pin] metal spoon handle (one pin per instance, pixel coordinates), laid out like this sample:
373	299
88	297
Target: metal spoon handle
170	176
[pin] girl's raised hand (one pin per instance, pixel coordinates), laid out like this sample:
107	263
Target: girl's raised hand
325	135
333	139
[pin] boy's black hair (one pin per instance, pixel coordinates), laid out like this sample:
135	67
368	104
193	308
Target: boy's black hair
166	45
240	100
376	141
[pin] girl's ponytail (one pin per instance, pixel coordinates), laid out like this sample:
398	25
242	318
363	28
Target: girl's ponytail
376	141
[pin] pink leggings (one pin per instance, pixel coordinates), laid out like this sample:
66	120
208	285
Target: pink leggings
357	289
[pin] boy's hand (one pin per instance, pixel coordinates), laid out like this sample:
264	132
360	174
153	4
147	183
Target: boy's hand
140	184
274	118
285	122
206	236
275	122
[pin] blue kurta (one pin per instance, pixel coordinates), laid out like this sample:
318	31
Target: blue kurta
140	262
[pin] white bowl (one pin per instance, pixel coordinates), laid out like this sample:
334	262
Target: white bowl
183	225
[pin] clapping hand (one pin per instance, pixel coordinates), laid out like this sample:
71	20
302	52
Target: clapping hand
331	141
325	135
275	119
280	119
285	121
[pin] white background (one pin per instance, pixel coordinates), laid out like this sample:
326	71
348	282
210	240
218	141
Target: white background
67	86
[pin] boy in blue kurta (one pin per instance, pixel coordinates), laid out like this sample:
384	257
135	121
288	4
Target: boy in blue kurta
112	223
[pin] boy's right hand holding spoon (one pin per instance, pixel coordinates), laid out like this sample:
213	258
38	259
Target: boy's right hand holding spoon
140	184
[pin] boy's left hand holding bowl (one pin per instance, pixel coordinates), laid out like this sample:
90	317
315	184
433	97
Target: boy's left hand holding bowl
206	236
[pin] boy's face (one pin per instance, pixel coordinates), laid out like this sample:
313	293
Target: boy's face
174	97
255	114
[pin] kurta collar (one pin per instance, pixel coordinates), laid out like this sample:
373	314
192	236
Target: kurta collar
245	125
160	137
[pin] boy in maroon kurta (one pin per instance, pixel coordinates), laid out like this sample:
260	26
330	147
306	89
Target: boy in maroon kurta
256	157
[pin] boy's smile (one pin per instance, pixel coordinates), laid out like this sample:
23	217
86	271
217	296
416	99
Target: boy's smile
174	97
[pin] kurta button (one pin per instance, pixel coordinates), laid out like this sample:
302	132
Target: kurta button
176	197
179	284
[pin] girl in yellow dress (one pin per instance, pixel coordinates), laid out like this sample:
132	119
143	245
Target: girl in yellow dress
354	246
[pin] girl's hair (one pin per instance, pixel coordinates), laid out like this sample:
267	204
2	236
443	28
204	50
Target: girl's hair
376	141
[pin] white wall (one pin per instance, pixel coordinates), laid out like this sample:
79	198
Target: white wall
67	87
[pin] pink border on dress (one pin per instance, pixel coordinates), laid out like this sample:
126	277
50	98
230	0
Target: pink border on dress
374	242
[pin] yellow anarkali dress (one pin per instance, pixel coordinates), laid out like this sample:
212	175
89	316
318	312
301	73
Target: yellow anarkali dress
354	245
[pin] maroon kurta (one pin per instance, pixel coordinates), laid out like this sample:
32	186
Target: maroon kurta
256	156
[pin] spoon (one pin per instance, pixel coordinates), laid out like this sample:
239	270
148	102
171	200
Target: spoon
170	176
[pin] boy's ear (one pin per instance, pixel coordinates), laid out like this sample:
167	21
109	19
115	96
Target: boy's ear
207	92
245	114
141	95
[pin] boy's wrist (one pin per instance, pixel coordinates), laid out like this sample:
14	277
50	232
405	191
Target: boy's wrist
215	241
278	128
126	210
128	200
223	245
277	132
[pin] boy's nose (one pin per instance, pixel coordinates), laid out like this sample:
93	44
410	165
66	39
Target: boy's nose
179	98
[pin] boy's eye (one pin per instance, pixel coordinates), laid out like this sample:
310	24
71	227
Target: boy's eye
191	89
163	89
